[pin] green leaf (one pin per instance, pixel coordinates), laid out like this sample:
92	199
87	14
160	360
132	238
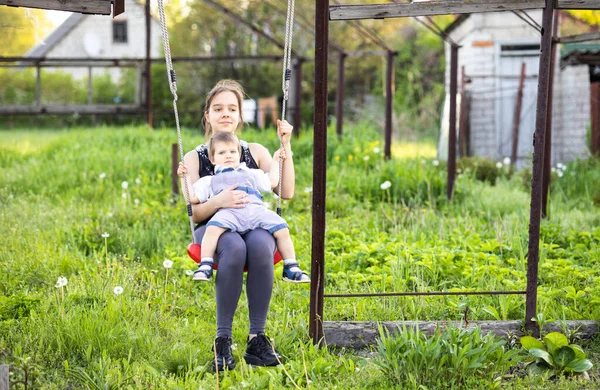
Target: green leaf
537	369
541	354
492	311
580	365
529	342
555	340
579	354
563	356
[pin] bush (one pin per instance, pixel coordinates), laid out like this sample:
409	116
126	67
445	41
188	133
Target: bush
482	168
445	360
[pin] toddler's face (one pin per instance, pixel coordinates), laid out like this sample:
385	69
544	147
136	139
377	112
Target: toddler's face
226	154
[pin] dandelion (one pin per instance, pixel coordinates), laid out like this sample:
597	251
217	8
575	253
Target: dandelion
138	181
105	235
308	190
109	215
136	201
376	150
189	272
366	158
385	185
167	263
337	158
124	185
498	165
560	165
435	163
124	195
61	282
102	175
506	160
118	290
560	173
553	170
350	157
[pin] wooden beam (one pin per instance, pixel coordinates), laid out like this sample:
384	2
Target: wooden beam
118	7
102	7
580	38
398	10
72	109
578	4
358	335
437	7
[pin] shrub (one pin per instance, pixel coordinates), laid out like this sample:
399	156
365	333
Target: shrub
482	168
554	356
444	360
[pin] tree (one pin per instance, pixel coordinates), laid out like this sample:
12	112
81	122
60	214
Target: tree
21	29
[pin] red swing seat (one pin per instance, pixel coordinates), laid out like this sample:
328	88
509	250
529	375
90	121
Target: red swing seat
194	251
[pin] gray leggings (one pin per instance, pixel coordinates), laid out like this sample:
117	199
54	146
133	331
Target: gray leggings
254	250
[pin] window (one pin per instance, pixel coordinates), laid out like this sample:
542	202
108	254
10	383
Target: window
120	32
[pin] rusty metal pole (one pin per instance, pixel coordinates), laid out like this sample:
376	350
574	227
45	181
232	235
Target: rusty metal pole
339	98
546	178
298	110
538	165
452	125
148	67
517	120
317	271
389	98
462	142
174	167
595	106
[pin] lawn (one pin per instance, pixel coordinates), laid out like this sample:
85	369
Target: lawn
95	206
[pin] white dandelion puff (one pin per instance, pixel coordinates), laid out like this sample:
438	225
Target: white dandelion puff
506	161
124	185
189	272
498	165
376	150
136	201
124	195
435	163
167	263
105	235
61	282
118	290
138	181
366	158
102	175
308	190
385	185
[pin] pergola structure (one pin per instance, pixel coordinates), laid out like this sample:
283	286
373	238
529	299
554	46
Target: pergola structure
100	7
326	12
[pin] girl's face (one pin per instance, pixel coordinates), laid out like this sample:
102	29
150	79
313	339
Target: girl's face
226	154
223	113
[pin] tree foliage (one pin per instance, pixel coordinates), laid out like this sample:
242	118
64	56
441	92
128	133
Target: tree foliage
21	28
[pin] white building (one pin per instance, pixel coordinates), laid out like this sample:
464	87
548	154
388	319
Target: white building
493	48
98	36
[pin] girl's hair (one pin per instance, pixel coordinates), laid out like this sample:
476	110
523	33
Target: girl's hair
222	138
223	86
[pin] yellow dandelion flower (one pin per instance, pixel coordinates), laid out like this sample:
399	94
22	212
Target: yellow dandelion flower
350	157
337	158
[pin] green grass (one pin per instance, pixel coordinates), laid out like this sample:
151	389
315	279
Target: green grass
60	191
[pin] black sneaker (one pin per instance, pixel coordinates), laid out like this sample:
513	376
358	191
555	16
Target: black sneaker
224	356
260	352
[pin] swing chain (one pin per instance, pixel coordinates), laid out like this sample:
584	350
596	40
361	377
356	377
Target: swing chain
285	85
173	86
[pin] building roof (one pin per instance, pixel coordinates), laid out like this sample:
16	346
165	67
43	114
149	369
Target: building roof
587	48
41	49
